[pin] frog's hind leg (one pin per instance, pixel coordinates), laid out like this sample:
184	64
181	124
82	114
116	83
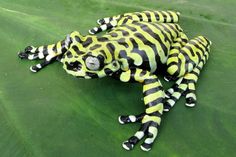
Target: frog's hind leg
184	86
146	16
153	99
188	75
48	53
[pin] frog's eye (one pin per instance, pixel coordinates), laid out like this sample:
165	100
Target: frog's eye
92	63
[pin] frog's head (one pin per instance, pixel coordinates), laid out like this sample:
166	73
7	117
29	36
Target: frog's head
88	65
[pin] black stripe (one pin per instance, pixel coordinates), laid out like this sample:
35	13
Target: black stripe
173	98
173	55
125	20
109	26
187	58
111	49
195	73
122	41
69	54
167	105
133	140
172	63
102	21
172	28
172	18
148	16
197	46
152	90
130	28
157	114
199	55
154	124
147	29
178	69
87	42
156	16
152	45
208	42
143	72
77	39
95	47
104	54
132	74
187	61
124	33
147	146
190	91
190	49
164	16
102	39
54	49
108	71
191	81
167	31
113	34
155	102
76	49
45	50
122	54
92	75
149	81
145	64
179	90
63	47
139	16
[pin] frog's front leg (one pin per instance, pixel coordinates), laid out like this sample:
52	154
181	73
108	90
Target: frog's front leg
48	53
146	16
153	100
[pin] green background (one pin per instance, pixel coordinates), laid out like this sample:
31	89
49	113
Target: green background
52	114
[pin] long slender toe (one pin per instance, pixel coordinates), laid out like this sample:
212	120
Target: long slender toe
22	55
146	147
128	146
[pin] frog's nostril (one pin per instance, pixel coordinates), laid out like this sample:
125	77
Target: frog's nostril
75	66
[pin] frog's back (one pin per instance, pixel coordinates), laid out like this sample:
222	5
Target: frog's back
144	44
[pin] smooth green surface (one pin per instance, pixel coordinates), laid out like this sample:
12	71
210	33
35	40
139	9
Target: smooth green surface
52	114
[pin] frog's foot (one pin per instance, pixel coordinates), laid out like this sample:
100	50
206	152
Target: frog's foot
29	53
103	27
33	53
181	87
149	128
42	52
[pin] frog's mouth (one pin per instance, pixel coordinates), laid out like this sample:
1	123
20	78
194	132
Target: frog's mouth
74	66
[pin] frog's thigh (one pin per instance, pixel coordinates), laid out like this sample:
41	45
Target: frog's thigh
188	57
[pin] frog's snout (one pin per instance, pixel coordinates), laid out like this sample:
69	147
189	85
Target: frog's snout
74	66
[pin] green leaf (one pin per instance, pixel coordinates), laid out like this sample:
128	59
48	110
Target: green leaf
52	114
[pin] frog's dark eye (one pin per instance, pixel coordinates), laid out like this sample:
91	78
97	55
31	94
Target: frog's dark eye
92	63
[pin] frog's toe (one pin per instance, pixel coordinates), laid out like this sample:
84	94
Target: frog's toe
35	68
149	130
29	53
133	140
130	118
191	100
22	55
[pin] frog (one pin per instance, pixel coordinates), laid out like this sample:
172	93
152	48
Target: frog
133	49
